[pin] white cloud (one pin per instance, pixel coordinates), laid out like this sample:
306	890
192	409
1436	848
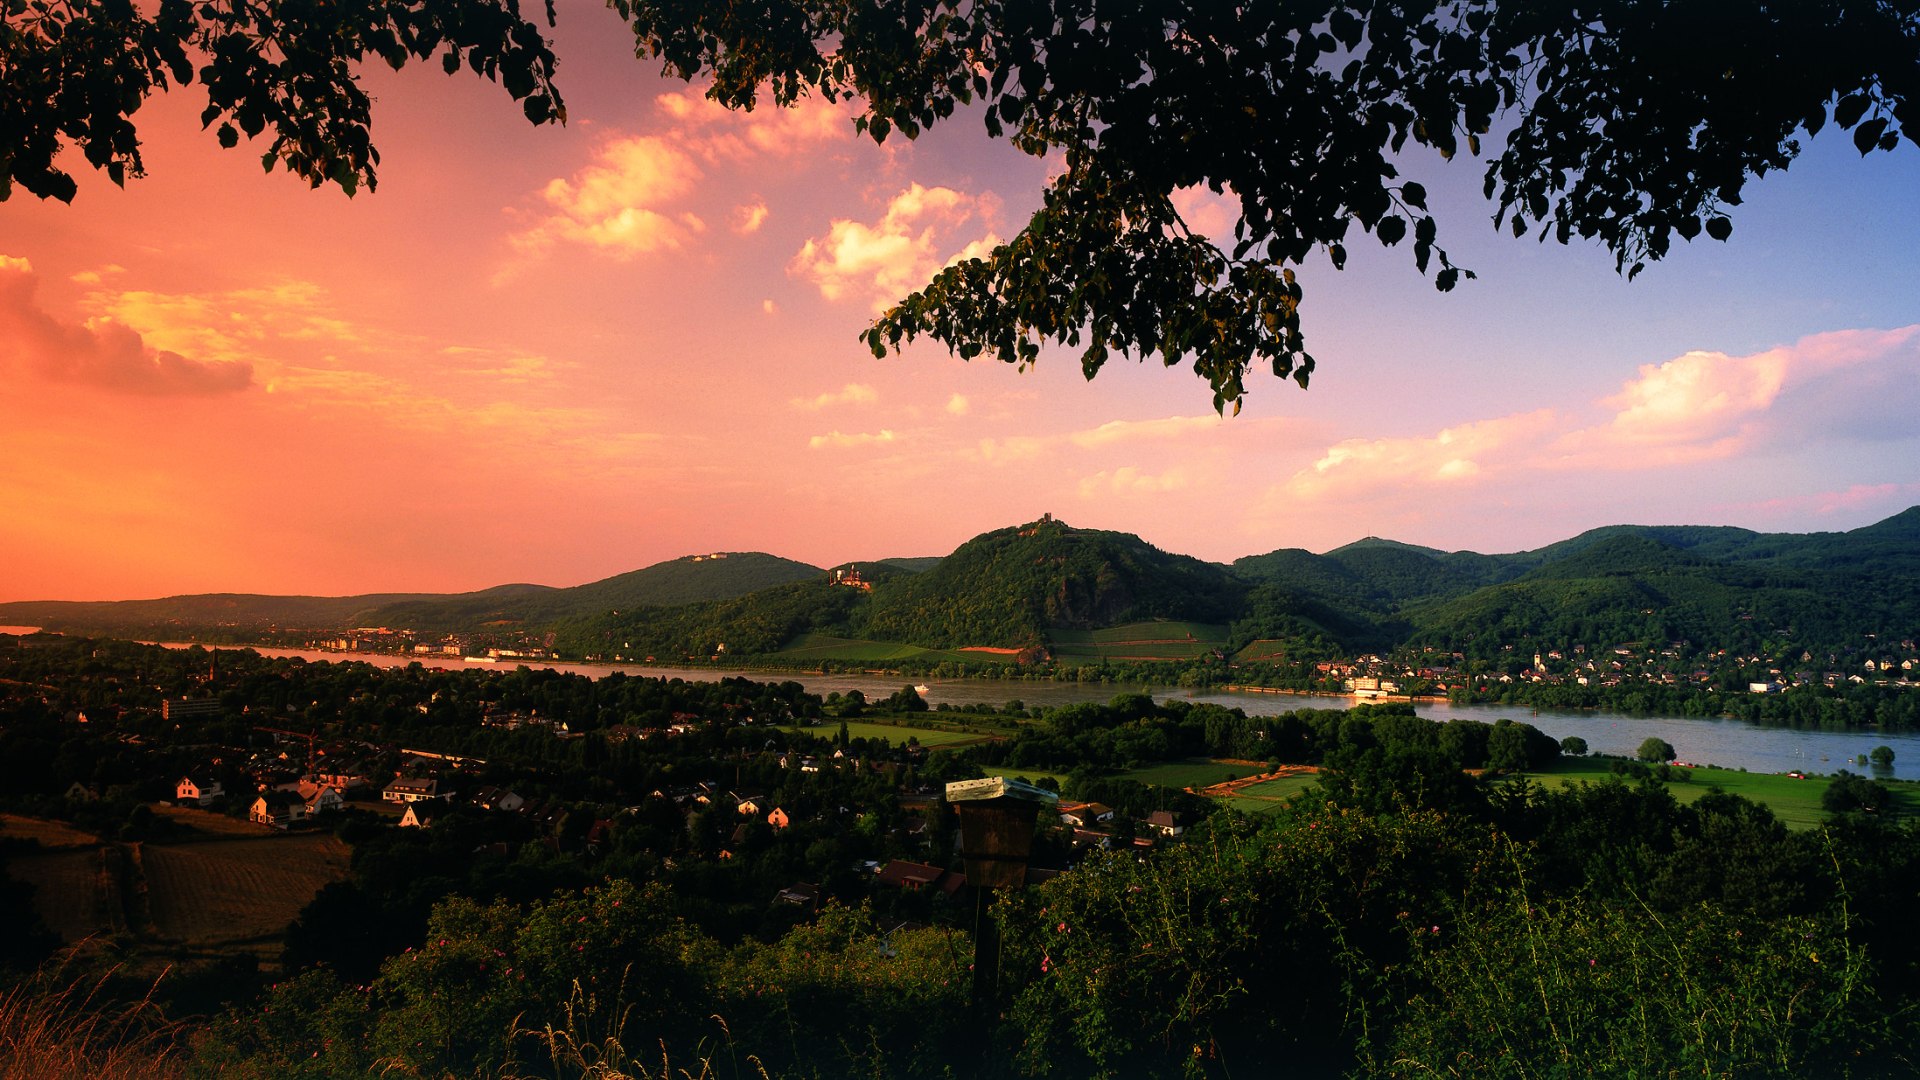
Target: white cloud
897	254
835	440
958	405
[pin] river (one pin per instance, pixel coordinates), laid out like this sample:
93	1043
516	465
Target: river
1733	744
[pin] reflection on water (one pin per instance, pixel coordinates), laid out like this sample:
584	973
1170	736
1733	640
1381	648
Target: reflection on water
1733	744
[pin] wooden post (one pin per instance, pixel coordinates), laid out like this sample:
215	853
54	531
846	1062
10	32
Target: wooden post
996	837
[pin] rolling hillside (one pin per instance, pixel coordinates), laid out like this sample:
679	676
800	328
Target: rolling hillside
1051	588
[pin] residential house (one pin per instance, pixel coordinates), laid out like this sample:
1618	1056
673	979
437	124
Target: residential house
498	798
799	894
409	789
914	877
324	800
778	818
416	817
1083	815
199	792
1165	823
278	809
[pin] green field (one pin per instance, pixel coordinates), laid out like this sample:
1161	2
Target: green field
1031	776
1264	649
1268	796
1193	773
933	738
1795	802
1156	640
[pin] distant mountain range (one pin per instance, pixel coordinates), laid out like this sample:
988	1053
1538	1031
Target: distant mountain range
1045	586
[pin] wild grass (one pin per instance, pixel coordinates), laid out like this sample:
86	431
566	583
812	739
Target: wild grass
590	1043
52	1029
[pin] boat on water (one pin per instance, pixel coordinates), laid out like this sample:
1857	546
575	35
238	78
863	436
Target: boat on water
481	659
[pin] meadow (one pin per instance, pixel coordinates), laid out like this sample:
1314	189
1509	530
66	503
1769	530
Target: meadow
1796	802
1193	773
933	737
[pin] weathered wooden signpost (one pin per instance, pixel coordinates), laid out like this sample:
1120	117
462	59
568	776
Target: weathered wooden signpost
996	837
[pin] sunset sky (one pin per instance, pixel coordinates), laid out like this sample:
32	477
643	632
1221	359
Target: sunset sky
556	354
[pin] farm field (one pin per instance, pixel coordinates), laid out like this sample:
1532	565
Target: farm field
1795	802
209	823
49	834
1263	649
226	885
238	893
1192	773
1139	641
74	892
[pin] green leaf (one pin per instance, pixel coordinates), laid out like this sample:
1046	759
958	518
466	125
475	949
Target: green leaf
229	138
1414	195
1391	230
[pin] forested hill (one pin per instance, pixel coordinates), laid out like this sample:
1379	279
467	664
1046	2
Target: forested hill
687	580
1023	586
1011	586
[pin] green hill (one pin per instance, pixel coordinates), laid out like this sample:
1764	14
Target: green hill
1011	587
1051	586
225	611
668	584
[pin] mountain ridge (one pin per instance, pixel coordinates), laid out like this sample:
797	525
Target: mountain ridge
1018	587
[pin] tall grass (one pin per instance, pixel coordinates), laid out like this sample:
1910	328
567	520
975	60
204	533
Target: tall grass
68	1030
590	1043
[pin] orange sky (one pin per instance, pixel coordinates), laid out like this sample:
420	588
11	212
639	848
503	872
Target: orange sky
557	354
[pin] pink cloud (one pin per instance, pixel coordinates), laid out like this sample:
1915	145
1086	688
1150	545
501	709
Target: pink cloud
718	133
613	203
1706	406
1465	452
1128	480
1888	497
835	440
629	201
101	353
898	253
850	394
